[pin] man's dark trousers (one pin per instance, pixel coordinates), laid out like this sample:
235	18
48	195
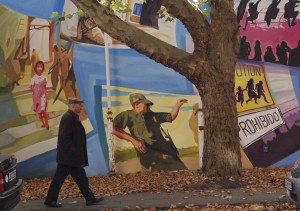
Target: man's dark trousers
79	176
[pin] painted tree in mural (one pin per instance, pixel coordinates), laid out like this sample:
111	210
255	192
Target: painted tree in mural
210	68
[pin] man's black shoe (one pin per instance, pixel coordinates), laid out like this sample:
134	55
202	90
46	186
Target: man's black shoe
52	204
94	201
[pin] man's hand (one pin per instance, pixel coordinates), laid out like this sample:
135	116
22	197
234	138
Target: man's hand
139	145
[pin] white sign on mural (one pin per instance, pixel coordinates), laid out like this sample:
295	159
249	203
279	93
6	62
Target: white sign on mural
255	125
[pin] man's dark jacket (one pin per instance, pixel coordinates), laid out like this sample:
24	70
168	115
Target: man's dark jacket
71	144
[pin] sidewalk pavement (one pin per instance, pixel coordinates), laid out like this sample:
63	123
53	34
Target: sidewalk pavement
163	200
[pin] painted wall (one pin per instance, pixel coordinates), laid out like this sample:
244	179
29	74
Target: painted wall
269	129
267	93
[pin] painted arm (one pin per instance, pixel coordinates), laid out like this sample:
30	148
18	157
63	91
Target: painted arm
175	110
278	2
32	84
138	144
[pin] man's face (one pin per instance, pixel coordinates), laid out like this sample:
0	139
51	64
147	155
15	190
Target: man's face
77	107
141	108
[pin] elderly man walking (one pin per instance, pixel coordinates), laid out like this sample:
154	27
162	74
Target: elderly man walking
71	156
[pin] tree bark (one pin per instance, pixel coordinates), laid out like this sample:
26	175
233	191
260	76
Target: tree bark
210	68
221	154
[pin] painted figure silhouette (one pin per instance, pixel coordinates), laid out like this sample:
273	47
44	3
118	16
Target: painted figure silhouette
290	13
260	91
272	11
251	92
253	13
294	57
240	95
269	55
257	50
241	10
149	15
245	48
281	52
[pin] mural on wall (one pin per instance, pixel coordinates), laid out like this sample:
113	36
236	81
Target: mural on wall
145	17
73	56
269	31
171	144
267	81
37	78
252	90
73	64
269	135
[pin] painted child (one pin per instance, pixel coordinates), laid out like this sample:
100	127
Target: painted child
240	95
39	93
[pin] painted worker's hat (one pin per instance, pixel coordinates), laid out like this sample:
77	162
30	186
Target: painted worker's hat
138	97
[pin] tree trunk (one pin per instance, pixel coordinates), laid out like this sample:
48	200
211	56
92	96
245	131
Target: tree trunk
221	153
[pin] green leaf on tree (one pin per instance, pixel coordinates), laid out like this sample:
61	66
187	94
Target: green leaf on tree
54	15
205	13
80	13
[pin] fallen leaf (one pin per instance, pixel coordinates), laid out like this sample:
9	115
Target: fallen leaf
228	197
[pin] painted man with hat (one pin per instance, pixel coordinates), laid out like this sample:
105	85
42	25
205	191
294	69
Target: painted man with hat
154	146
71	156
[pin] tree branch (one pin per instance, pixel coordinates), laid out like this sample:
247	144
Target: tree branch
193	20
137	39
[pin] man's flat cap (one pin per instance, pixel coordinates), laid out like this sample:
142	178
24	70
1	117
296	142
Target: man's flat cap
72	100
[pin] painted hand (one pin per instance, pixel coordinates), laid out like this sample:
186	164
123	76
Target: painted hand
139	145
180	102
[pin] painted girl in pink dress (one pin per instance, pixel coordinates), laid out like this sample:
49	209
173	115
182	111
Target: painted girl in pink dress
39	93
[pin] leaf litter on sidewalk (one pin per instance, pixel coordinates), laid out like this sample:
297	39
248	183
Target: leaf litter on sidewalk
121	184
